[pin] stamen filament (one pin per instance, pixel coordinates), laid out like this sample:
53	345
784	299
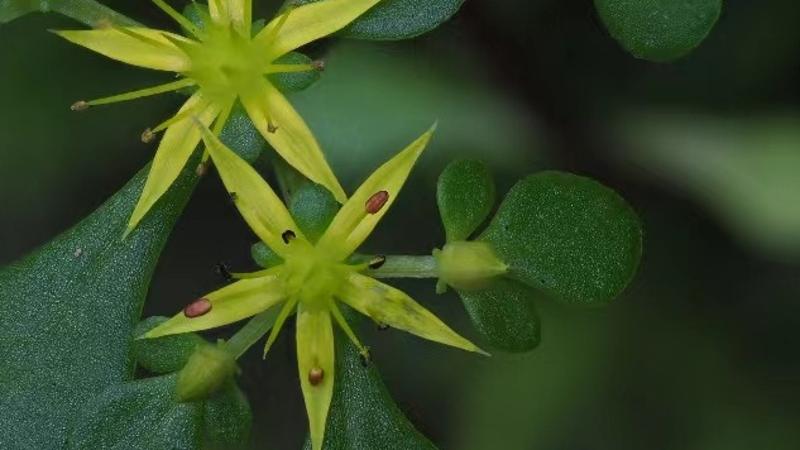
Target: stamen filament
339	317
286	311
147	92
132	33
180	116
279	24
255	329
178	17
250	275
288	68
222	119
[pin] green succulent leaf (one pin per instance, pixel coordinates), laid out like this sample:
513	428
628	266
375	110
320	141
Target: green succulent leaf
90	12
393	20
144	415
363	414
465	195
69	309
166	354
659	30
567	236
313	208
294	81
504	314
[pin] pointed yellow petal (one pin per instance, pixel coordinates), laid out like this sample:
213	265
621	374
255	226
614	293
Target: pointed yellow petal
143	47
315	361
308	23
359	216
289	135
240	12
177	146
393	307
230	304
218	10
256	201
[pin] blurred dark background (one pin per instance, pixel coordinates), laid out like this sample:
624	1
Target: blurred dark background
699	353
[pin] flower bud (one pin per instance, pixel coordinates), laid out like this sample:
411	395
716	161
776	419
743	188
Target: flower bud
468	265
208	368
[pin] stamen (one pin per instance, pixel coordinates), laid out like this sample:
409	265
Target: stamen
197	308
80	105
202	169
376	202
383	326
315	376
339	317
318	65
366	357
289	68
288	236
148	136
282	316
133	95
377	262
271	127
233	196
182	21
179	117
222	270
280	23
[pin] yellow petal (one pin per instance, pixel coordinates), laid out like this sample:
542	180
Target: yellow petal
353	224
395	308
240	12
176	147
218	10
143	47
315	361
230	304
308	23
290	136
256	201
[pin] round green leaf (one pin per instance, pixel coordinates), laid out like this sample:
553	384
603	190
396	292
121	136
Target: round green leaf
568	236
505	315
466	195
392	20
313	208
165	354
144	415
659	30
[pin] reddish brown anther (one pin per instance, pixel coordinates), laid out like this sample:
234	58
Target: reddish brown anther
197	308
376	202
315	376
318	65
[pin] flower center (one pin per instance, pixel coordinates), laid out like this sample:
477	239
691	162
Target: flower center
313	275
226	64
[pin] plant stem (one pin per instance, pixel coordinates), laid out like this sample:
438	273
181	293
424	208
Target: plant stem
406	266
255	329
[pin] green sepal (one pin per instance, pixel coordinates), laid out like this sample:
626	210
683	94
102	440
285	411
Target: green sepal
363	414
392	20
505	315
659	30
465	195
165	354
144	415
567	236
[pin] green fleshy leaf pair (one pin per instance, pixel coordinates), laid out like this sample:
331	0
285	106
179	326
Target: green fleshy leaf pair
560	235
392	20
659	30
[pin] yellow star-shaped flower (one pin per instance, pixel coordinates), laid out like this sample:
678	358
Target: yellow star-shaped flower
225	63
314	276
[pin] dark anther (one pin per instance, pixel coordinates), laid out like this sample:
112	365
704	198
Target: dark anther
233	196
271	127
383	326
222	270
377	262
288	236
318	65
148	136
80	106
376	202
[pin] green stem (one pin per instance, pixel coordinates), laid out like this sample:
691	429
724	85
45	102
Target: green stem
246	337
405	266
90	12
